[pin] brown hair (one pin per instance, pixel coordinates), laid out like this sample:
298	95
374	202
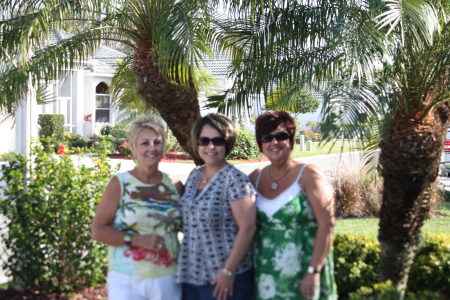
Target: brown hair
219	122
269	121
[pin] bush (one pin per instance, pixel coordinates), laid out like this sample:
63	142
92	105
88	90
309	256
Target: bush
386	291
246	146
357	194
309	136
172	144
119	131
51	125
356	260
125	149
106	130
78	144
8	156
70	136
48	208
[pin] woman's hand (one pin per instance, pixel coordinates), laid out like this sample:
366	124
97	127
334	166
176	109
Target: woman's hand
148	241
308	285
224	285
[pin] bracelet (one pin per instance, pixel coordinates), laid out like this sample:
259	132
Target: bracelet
228	272
127	239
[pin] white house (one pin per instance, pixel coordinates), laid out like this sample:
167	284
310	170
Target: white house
82	97
81	92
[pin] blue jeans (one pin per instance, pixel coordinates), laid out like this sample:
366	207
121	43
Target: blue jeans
242	289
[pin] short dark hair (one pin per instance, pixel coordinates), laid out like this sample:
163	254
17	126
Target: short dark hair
219	122
269	121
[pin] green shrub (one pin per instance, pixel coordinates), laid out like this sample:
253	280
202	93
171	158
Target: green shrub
70	136
125	149
356	260
106	130
246	146
106	144
119	131
51	125
386	291
48	208
431	268
309	136
172	144
78	143
8	156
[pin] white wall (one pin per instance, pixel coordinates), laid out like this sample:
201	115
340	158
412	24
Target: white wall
8	136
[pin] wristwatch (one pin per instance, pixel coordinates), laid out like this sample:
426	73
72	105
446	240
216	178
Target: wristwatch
228	272
312	270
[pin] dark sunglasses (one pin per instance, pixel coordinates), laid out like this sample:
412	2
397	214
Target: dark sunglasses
280	136
217	141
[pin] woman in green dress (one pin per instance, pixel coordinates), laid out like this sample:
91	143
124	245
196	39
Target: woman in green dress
295	219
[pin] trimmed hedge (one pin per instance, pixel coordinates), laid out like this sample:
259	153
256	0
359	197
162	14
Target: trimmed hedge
246	146
51	125
356	259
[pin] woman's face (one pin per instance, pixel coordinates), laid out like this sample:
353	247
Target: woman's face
212	154
149	147
276	149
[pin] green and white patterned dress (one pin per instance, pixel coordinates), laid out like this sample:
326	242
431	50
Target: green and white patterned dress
284	240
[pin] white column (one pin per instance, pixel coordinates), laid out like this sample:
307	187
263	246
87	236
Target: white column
26	121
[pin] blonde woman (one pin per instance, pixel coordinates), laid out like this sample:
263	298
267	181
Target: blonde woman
139	218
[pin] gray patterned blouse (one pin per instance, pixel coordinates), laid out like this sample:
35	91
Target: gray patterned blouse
209	226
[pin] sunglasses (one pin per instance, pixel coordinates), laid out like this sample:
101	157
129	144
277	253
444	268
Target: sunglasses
217	141
280	136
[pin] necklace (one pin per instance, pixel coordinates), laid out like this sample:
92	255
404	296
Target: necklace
204	181
274	185
206	178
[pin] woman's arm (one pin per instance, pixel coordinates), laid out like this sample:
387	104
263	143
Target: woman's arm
179	186
244	212
102	229
321	197
254	175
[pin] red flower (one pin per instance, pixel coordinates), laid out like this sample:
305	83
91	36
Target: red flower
88	118
62	149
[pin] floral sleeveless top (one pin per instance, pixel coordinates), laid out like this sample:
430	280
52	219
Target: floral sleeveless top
145	209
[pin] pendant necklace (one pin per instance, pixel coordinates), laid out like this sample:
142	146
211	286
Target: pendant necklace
274	185
206	178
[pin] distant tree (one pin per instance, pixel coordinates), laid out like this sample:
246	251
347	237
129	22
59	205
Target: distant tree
298	102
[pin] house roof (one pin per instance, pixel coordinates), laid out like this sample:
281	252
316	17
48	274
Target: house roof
105	57
108	55
218	65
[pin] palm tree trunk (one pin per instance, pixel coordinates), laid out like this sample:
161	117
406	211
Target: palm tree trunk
177	103
410	157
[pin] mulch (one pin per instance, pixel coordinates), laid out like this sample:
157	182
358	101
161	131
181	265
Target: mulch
92	293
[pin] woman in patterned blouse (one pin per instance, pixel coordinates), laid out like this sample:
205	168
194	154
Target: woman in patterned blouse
139	218
218	213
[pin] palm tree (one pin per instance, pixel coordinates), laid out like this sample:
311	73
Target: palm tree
165	40
384	64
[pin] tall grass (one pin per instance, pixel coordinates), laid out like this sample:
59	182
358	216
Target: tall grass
357	193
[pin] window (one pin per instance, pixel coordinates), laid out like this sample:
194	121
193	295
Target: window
102	103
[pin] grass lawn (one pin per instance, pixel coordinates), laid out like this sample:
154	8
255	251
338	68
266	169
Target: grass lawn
370	225
325	148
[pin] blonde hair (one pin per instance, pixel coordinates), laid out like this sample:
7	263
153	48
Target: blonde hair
219	122
146	122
